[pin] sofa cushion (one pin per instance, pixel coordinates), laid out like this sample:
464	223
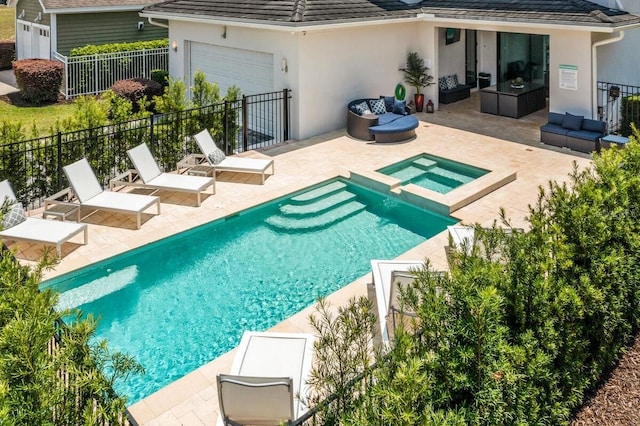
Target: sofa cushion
388	118
593	125
442	83
572	122
452	81
400	107
556	118
388	102
363	108
402	123
584	134
554	128
377	106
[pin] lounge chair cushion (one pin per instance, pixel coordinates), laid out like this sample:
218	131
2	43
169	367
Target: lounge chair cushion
14	215
216	156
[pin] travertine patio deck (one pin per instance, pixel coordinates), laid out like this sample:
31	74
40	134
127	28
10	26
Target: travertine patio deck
192	400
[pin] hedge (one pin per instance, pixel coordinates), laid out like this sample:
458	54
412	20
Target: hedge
119	47
39	80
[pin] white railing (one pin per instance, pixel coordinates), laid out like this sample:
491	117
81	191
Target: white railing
93	74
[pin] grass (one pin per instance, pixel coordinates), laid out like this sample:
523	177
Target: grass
43	116
7	23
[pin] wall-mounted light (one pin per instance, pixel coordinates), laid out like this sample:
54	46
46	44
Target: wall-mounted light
614	92
174	45
21	14
38	18
140	25
284	67
224	32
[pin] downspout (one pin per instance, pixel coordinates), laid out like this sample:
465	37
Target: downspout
594	70
157	24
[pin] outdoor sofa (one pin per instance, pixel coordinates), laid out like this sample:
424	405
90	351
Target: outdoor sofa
450	90
572	131
383	120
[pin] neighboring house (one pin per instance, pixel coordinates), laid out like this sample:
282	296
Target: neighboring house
329	53
44	27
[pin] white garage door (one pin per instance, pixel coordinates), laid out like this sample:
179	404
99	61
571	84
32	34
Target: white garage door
34	40
251	71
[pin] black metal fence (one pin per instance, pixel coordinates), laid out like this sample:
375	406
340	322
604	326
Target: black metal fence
618	106
34	167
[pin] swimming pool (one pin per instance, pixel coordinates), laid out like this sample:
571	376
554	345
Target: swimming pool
432	172
181	302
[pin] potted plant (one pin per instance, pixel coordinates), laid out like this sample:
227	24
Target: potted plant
415	74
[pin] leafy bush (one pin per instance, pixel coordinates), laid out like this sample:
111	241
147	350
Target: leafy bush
118	47
51	374
160	76
525	323
630	111
39	80
136	90
7	53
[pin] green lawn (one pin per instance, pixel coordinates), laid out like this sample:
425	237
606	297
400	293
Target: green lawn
44	117
7	23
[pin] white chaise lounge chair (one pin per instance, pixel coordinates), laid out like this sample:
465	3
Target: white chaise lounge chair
384	274
35	230
268	371
223	163
147	174
90	194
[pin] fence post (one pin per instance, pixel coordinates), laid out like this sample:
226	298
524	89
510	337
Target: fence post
225	126
245	124
285	124
152	141
59	156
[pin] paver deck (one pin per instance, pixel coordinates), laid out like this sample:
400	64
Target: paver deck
192	400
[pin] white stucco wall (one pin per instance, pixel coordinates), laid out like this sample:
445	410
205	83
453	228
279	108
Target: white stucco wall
340	65
618	62
571	48
451	57
488	53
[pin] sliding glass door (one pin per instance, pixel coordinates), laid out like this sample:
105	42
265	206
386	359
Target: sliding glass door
523	55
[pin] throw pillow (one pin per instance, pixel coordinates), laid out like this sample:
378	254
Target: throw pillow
455	79
13	216
363	108
399	107
216	156
378	107
451	82
572	122
388	102
442	83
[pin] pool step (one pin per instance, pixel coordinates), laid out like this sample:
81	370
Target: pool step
408	173
312	223
318	192
425	163
317	205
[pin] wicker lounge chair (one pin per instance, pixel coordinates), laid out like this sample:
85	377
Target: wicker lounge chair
35	230
268	371
147	174
90	194
223	163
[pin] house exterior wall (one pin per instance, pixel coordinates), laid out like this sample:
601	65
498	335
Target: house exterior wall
617	62
451	57
31	9
326	68
77	30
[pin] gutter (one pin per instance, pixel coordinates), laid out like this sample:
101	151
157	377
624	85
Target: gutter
594	69
156	23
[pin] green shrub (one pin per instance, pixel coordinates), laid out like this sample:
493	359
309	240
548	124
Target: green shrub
136	89
118	47
39	80
7	53
160	76
630	111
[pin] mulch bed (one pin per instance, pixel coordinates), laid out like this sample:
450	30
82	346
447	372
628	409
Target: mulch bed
617	401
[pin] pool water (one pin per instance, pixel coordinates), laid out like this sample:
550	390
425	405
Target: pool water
434	173
180	302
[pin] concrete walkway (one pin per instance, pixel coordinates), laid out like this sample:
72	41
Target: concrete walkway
7	82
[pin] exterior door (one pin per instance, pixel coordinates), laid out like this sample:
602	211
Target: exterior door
471	58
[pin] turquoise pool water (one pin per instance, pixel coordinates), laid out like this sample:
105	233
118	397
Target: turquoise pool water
432	172
183	301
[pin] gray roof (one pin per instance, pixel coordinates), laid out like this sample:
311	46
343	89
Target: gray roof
314	12
51	5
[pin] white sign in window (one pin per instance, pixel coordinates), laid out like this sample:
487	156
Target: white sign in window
569	77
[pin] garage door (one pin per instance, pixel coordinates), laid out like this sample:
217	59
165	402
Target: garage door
34	40
251	71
